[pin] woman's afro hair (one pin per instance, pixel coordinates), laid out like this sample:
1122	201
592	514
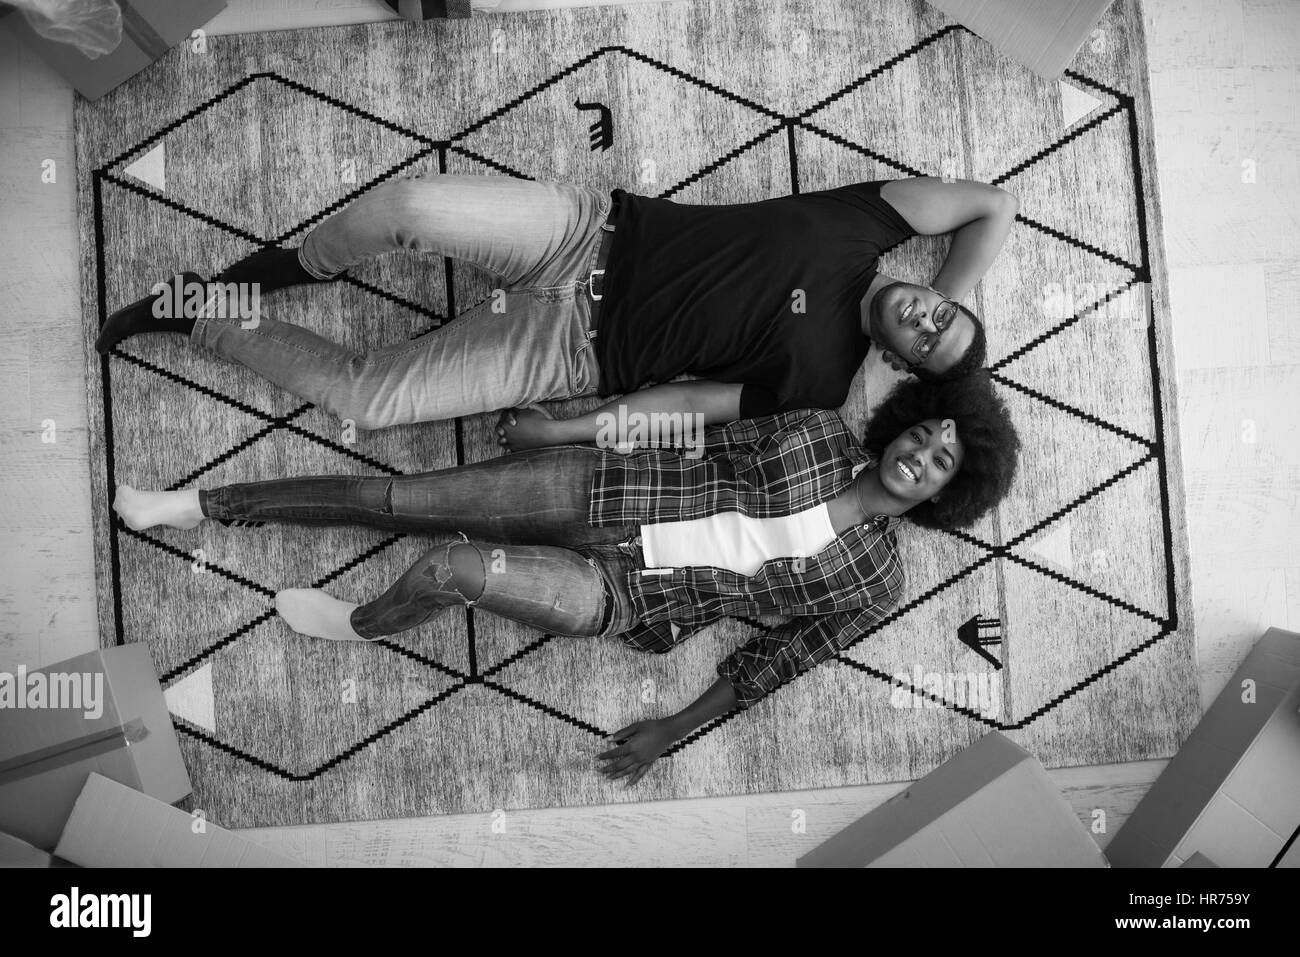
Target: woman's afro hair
983	427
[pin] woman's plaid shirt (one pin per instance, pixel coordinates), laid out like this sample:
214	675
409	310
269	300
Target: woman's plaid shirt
766	467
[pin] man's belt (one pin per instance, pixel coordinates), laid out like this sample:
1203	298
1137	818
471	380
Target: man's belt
596	281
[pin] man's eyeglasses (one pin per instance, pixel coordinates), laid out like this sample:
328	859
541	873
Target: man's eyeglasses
942	317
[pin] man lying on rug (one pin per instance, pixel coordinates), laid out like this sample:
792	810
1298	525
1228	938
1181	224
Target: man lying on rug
772	305
784	515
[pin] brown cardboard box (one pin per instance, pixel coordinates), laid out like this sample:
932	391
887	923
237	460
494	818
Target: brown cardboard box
150	28
1232	792
1044	35
46	753
992	805
115	826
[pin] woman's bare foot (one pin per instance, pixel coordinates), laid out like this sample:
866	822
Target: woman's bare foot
311	612
141	510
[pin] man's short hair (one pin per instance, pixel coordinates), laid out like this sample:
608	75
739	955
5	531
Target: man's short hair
989	441
973	358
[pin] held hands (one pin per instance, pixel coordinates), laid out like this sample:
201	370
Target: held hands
521	429
640	746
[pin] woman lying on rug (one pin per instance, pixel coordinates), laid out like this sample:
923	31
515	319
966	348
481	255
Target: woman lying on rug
782	515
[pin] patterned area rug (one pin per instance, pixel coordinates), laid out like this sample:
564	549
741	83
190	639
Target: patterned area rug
1063	620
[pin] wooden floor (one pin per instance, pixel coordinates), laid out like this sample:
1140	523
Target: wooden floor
1224	77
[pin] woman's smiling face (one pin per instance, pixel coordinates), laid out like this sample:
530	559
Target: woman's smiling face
920	462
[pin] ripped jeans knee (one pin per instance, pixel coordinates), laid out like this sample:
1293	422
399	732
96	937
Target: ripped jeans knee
461	570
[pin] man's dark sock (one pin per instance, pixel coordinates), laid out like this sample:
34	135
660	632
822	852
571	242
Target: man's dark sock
140	316
271	269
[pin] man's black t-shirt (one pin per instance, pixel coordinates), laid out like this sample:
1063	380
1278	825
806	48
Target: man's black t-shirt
766	294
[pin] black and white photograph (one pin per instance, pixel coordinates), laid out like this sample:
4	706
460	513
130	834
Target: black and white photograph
670	434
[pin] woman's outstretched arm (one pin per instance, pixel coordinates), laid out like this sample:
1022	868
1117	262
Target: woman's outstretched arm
768	660
641	743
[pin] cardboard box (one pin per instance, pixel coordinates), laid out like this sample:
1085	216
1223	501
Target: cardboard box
16	853
113	825
1044	35
992	805
110	718
150	28
1232	792
1292	856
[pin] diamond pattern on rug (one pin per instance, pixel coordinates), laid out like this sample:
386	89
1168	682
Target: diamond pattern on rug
1084	542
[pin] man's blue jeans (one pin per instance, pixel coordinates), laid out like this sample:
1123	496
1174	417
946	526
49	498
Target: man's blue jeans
530	343
525	515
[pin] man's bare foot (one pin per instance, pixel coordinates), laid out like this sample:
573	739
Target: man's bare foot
520	429
141	510
311	612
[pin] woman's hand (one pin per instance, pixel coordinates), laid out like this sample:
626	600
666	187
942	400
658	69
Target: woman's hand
520	429
640	746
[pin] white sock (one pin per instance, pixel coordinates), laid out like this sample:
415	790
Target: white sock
311	612
141	510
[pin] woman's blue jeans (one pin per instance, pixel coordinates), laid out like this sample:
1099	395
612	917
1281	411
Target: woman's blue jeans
524	532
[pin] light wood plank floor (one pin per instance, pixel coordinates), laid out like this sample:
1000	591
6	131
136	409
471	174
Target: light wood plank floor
1224	87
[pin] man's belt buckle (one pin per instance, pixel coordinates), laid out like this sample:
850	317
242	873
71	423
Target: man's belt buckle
591	284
